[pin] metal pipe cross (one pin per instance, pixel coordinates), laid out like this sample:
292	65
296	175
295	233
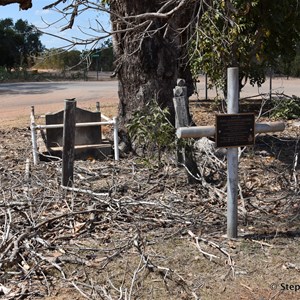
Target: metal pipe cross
232	153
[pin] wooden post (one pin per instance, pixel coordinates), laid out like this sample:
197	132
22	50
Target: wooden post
181	113
180	104
232	155
35	154
98	106
68	142
182	119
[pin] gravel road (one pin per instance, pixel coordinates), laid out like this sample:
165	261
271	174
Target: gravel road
17	98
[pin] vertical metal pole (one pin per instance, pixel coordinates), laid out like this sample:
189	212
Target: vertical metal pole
270	87
232	155
97	68
206	89
116	138
68	142
98	110
33	137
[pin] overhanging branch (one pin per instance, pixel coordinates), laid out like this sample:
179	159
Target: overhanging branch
24	4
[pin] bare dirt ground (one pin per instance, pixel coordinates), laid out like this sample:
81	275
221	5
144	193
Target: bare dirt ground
153	236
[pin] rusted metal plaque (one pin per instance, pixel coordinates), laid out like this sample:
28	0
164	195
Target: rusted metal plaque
235	130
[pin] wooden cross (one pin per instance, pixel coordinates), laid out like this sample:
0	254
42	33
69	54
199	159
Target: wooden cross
232	152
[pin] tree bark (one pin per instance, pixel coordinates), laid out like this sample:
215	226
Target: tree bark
150	55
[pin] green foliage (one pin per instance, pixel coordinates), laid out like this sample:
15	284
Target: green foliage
60	60
290	68
105	2
150	129
287	108
64	60
3	74
20	44
18	74
295	67
253	35
105	57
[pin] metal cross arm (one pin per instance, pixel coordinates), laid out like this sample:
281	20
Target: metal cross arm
232	161
232	130
206	131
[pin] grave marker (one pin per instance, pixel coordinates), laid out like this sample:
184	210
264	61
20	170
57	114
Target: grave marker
232	152
83	135
184	153
234	130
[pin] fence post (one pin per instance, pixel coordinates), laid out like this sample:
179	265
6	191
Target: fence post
116	138
99	111
68	142
98	106
33	137
206	87
270	84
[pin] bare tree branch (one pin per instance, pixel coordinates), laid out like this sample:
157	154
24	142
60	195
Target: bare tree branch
159	14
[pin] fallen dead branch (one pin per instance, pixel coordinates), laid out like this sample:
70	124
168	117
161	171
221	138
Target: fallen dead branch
123	231
229	261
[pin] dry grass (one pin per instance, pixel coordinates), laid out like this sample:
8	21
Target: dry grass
137	242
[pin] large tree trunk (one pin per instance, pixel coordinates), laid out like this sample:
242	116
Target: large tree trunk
150	57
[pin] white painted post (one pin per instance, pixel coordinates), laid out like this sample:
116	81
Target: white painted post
206	131
270	86
33	137
116	139
232	155
206	87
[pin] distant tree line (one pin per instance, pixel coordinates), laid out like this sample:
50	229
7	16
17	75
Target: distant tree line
21	48
20	44
104	55
59	59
